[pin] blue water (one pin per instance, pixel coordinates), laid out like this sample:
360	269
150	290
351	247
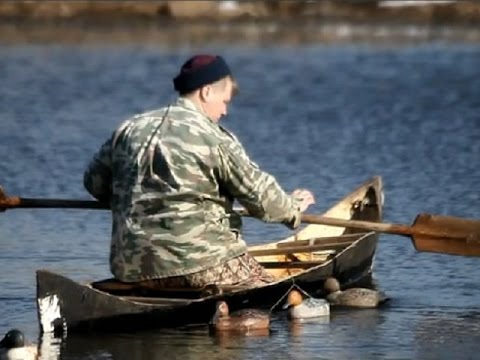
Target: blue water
322	117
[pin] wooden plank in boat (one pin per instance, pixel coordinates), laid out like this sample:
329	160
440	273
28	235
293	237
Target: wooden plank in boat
164	295
157	301
290	264
116	287
328	249
323	240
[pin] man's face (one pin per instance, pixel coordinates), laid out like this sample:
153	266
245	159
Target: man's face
216	98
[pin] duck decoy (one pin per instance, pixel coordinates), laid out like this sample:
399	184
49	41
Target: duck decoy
354	297
244	321
12	347
301	307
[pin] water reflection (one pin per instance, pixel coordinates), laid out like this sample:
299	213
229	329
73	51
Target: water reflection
49	347
182	343
449	336
431	335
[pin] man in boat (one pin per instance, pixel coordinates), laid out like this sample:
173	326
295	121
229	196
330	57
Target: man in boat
171	176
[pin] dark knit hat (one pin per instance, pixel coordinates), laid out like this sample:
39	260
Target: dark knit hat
200	70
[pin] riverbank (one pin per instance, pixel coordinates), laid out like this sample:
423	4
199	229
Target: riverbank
205	22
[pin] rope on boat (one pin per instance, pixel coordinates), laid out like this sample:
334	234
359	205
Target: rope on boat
293	286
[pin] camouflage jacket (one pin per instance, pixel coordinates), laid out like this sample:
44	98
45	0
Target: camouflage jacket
171	176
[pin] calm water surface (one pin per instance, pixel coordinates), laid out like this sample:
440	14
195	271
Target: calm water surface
325	118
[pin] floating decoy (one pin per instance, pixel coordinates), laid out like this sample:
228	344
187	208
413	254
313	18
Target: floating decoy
354	297
12	347
302	307
245	320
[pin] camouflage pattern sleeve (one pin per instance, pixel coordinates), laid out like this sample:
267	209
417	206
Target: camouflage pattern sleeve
97	179
256	190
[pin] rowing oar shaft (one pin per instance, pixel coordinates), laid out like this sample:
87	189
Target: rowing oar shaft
357	224
14	202
396	229
432	233
425	224
421	227
429	233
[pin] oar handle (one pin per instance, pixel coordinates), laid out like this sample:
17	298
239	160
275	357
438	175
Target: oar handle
17	202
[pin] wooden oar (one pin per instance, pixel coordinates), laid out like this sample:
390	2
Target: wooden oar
429	233
14	202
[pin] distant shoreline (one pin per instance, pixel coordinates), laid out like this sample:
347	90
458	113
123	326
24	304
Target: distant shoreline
178	23
176	34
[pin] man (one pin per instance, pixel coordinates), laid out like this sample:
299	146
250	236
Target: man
171	177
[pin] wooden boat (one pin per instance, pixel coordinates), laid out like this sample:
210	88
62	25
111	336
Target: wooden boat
306	258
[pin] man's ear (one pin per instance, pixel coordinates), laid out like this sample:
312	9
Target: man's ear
206	93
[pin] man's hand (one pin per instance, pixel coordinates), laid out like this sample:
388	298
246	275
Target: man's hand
304	197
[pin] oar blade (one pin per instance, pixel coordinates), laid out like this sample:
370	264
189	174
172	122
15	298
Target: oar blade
446	235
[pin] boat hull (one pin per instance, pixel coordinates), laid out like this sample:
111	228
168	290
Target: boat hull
66	304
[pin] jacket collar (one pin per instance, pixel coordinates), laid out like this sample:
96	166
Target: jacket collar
190	105
187	103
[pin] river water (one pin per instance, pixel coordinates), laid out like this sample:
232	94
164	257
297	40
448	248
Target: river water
322	117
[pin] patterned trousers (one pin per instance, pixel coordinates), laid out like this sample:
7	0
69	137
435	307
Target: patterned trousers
242	270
